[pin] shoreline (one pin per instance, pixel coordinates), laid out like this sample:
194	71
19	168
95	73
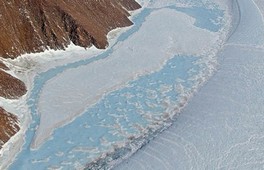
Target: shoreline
31	79
22	68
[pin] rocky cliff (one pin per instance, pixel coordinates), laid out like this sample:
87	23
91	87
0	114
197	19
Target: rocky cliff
11	87
8	126
35	25
29	26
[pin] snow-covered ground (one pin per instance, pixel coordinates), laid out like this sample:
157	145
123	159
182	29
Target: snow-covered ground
107	98
71	92
223	125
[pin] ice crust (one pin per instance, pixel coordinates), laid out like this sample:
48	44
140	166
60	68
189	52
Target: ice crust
182	42
68	94
222	126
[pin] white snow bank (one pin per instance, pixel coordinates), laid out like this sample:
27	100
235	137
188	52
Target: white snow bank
164	34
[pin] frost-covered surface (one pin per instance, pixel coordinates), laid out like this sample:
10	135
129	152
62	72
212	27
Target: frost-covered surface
121	94
21	110
260	6
69	93
26	67
222	126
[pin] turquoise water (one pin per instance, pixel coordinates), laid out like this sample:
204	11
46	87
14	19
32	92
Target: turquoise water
121	114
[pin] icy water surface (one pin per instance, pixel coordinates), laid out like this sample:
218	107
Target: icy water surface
222	128
122	115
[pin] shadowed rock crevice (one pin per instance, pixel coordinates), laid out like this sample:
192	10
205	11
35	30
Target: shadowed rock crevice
36	25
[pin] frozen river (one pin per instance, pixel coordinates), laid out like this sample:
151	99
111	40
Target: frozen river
223	125
107	106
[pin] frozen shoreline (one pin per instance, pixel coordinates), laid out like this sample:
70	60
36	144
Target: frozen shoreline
26	67
60	63
222	126
127	62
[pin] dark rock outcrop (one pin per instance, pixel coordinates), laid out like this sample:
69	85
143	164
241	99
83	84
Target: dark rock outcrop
35	25
8	126
11	87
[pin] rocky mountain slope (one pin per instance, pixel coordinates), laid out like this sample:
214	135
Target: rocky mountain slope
11	87
36	25
29	26
8	126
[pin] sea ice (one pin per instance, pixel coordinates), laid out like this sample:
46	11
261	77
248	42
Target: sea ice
222	126
68	94
116	96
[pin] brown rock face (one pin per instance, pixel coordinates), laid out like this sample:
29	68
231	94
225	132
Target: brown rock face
35	25
11	87
8	126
